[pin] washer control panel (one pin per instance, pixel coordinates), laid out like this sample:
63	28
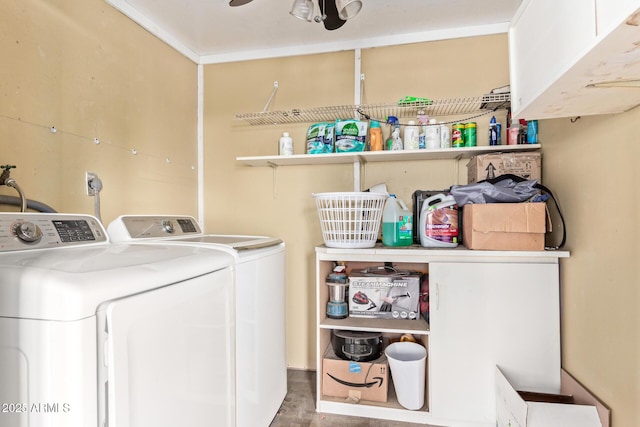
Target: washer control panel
131	227
21	231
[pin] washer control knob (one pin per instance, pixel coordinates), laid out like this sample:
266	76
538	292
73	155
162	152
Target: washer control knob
27	232
167	226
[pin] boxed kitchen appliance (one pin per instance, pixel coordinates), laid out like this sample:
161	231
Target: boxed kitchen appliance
574	407
384	292
527	165
361	380
504	226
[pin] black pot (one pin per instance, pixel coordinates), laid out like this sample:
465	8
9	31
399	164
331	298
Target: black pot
357	345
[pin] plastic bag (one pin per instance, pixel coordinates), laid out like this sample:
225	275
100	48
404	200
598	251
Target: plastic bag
504	191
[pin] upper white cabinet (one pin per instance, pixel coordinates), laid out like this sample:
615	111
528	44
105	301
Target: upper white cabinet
560	51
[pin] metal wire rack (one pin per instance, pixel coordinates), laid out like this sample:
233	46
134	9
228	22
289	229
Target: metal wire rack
432	108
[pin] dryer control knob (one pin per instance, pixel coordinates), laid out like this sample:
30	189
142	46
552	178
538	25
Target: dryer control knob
167	225
27	232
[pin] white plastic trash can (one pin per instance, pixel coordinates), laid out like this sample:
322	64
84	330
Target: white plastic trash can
407	361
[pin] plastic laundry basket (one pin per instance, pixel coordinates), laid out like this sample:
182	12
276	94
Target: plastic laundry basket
350	219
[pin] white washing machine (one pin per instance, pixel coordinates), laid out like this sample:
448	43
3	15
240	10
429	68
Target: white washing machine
95	334
261	368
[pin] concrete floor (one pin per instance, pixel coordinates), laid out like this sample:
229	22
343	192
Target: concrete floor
299	408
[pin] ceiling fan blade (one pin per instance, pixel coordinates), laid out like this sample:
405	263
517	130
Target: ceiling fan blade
332	21
238	2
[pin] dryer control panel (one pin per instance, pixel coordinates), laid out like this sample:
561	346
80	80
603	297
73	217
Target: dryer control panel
22	231
136	227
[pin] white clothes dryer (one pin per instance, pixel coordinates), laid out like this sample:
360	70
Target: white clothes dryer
95	334
261	367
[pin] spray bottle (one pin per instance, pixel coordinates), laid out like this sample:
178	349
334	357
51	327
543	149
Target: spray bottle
394	142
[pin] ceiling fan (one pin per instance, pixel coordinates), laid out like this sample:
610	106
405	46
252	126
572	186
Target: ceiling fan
333	13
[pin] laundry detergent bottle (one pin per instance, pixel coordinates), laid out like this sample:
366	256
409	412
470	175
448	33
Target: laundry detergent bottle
439	222
397	223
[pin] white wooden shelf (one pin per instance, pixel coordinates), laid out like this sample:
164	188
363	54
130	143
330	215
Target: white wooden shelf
418	326
381	156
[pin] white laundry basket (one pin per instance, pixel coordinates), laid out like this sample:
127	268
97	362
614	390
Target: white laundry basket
350	219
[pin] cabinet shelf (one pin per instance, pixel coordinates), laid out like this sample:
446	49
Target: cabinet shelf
418	327
433	108
381	156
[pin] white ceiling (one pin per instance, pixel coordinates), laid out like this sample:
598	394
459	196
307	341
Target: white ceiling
210	31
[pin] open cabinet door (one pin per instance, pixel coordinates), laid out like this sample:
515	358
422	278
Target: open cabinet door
170	355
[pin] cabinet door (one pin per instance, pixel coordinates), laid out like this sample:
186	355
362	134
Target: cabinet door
611	13
546	38
488	314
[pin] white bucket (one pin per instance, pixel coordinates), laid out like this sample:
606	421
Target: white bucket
408	361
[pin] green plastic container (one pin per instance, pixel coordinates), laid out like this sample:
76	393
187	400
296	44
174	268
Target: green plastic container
397	223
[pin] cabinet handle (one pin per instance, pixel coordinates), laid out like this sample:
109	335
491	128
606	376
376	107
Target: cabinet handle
437	296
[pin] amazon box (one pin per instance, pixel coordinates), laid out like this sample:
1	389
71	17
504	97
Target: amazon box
362	380
504	226
527	165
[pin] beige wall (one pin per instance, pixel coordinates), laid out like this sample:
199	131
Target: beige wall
600	297
279	201
86	69
89	71
591	165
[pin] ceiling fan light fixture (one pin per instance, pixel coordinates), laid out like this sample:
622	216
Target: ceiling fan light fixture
347	9
302	9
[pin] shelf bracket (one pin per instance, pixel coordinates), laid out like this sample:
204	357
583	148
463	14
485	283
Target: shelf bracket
356	174
275	89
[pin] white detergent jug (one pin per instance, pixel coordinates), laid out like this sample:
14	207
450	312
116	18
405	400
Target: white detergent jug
439	222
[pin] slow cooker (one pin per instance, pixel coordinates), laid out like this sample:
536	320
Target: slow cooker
358	346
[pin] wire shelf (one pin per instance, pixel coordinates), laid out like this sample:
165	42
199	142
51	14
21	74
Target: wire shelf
434	108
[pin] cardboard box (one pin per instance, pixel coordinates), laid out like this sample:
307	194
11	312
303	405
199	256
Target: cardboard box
527	165
504	226
384	294
364	380
514	410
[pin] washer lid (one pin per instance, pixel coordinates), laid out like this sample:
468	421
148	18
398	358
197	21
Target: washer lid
179	228
71	283
236	242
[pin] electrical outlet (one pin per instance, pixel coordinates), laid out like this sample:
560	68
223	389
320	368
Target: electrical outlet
88	177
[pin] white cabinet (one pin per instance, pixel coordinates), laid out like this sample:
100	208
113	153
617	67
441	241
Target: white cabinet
485	315
488	308
612	13
561	51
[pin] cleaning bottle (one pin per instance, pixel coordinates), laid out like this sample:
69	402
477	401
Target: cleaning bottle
423	119
411	136
432	135
397	223
394	142
285	145
493	131
375	136
438	222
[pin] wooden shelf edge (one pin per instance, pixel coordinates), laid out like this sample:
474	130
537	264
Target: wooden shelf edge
382	156
392	326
